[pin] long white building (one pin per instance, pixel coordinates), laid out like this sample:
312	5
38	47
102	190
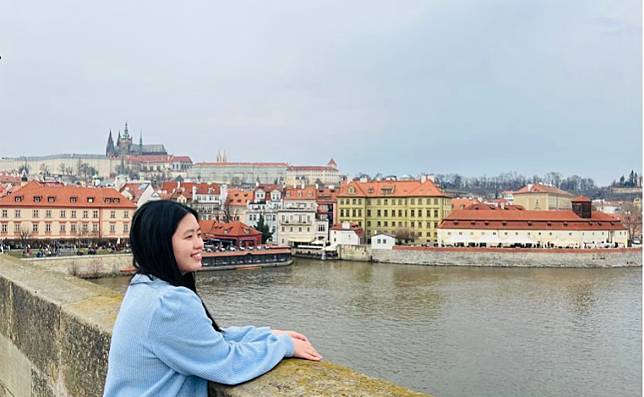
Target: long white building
577	228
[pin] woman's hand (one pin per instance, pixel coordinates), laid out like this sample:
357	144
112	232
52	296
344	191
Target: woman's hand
292	334
302	347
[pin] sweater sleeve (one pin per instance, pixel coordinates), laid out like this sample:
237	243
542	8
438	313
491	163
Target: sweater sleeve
181	335
243	334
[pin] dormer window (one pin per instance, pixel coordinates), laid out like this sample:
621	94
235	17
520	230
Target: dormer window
107	200
73	199
116	200
37	199
18	199
90	199
51	199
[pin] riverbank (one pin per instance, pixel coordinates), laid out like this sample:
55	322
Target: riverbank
496	257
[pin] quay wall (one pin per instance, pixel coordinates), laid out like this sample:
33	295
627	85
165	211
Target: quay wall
55	332
87	266
511	257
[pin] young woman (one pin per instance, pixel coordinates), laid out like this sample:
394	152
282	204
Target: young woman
164	341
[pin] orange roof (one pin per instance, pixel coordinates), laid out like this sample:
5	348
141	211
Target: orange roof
238	197
297	193
185	188
541	188
35	194
311	168
354	226
268	187
134	188
413	188
462	203
159	158
555	220
227	164
231	229
581	199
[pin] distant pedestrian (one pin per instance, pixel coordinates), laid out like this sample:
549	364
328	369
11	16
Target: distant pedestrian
164	341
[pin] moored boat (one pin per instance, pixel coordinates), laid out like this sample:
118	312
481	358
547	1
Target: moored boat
246	259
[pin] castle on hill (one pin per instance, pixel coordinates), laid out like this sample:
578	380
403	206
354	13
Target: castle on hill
125	147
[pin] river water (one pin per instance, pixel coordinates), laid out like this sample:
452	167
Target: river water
451	331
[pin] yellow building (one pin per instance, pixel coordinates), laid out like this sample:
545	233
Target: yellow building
539	197
54	211
407	209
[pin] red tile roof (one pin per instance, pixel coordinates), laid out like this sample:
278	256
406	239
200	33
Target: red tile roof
518	220
462	203
134	188
359	231
297	193
159	158
177	188
413	188
541	188
58	195
581	199
310	168
231	229
227	164
238	197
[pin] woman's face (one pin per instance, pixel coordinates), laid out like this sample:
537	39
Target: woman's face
187	244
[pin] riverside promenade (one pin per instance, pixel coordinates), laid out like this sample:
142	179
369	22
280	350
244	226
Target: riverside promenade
55	332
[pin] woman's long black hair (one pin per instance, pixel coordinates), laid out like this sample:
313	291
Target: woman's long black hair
151	240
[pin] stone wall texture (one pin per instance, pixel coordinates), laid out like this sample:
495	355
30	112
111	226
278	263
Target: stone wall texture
87	266
508	257
55	332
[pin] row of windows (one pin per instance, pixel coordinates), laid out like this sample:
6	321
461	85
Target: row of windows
404	224
401	201
357	212
528	233
255	217
73	228
62	213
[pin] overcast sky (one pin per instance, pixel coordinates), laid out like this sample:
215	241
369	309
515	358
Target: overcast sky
467	86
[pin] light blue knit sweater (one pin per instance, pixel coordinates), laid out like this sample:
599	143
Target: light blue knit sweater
163	344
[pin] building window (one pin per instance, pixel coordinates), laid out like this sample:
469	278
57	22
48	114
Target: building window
112	214
368	212
73	213
95	214
73	228
368	223
35	213
85	214
378	213
435	213
16	228
62	213
5	214
47	227
47	213
4	228
85	227
62	228
126	228
34	228
95	227
412	213
386	212
126	214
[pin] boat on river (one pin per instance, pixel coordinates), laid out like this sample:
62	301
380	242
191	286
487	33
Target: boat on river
246	259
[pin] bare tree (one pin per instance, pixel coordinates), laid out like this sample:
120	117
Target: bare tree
632	219
404	234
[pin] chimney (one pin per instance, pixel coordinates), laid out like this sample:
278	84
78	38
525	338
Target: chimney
423	178
582	206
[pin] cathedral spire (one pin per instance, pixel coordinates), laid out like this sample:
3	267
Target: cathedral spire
140	142
125	132
109	149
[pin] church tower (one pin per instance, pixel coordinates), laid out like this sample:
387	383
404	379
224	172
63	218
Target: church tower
109	149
